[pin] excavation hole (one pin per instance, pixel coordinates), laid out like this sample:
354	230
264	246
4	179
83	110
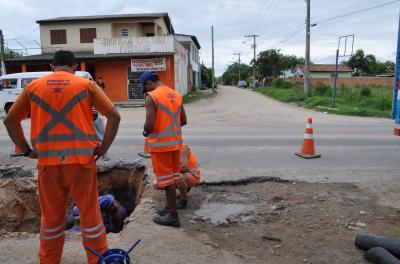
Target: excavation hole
19	206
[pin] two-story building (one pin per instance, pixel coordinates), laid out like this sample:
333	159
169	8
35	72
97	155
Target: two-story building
193	46
118	48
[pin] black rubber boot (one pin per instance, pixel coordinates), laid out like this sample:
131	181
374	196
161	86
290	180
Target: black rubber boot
181	204
163	211
170	219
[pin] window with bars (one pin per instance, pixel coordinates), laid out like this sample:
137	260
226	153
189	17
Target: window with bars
87	35
58	36
124	32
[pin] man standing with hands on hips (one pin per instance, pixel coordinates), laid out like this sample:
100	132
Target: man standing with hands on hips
65	143
164	117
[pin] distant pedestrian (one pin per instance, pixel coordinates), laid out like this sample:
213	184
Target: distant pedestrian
101	83
99	128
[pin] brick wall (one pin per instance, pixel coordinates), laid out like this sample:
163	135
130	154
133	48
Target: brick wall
385	81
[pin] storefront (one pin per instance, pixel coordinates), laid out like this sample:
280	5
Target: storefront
121	71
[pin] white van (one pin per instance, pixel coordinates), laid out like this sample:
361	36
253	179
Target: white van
11	85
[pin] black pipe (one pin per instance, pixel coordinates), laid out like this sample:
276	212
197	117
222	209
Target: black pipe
367	242
380	255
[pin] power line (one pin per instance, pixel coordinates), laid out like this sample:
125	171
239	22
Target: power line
25	34
257	18
266	14
340	16
358	11
293	34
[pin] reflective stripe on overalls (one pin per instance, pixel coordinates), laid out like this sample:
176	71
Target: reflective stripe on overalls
60	117
52	233
169	131
94	232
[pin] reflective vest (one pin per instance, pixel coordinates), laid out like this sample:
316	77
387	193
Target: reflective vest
192	166
166	134
62	129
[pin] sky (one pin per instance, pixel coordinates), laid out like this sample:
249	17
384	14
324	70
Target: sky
279	24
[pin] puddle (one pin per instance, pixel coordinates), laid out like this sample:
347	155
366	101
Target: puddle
219	213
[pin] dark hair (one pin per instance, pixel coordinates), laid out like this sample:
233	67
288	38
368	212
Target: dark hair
64	58
154	78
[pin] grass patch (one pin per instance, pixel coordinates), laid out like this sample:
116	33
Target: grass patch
373	101
198	95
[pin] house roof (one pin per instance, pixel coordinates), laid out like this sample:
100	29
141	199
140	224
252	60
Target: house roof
194	39
109	17
389	74
48	57
325	68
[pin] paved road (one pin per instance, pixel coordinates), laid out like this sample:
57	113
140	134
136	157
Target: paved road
240	134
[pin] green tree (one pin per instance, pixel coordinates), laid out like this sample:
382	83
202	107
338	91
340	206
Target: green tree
385	67
231	75
291	61
206	76
10	54
272	62
363	64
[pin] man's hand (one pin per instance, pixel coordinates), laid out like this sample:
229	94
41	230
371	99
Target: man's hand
113	119
33	154
99	152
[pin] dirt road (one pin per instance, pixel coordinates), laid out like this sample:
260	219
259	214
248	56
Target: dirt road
239	134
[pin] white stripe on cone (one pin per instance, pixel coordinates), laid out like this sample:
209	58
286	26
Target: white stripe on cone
309	125
308	136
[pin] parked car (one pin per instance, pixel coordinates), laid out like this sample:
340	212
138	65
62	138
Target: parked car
11	85
242	84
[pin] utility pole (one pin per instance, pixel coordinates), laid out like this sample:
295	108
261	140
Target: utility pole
307	59
254	47
212	46
2	66
239	62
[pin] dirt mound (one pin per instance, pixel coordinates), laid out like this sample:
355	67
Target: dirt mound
19	207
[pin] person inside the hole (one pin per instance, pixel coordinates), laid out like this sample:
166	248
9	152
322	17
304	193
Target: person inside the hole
189	176
112	212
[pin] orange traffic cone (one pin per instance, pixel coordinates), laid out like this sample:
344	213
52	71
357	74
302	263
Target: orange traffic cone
145	154
397	131
308	150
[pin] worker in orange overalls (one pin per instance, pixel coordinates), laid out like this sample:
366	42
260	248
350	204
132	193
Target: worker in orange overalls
189	177
164	117
65	143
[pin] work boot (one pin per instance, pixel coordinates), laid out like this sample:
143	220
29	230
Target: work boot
163	211
170	219
181	204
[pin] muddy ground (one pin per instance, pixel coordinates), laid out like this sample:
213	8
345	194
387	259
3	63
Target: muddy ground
260	222
278	222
